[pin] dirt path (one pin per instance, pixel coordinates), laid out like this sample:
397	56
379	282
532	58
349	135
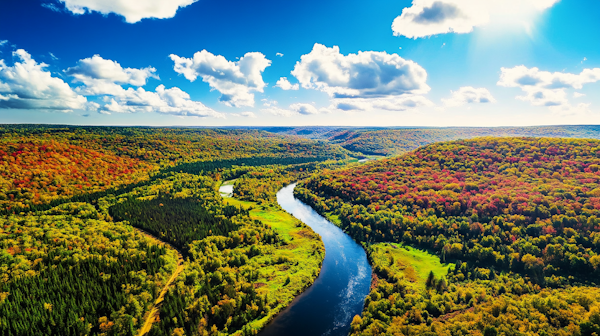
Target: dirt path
150	317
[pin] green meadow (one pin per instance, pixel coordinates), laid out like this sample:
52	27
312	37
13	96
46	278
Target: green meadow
412	263
301	245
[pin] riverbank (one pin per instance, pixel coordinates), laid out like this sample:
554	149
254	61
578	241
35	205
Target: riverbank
330	304
300	244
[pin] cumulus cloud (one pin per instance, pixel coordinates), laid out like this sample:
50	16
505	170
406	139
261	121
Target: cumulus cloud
294	110
279	54
578	94
132	10
235	80
366	74
305	109
521	76
268	102
402	103
274	110
101	76
248	114
544	88
244	114
167	101
431	17
105	78
567	110
27	85
285	84
469	95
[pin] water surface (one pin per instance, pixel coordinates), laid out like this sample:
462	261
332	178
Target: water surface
338	294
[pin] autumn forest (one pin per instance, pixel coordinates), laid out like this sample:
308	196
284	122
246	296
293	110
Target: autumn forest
128	230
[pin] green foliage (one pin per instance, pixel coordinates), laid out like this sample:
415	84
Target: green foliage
91	273
178	221
400	141
62	271
526	205
68	300
261	183
239	271
44	164
523	213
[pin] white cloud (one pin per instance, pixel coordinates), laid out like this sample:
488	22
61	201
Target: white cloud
571	111
3	42
235	80
268	103
244	114
521	76
51	7
366	74
167	101
285	84
248	114
102	76
279	54
294	110
305	109
469	95
27	85
401	103
543	88
105	78
578	95
132	10
431	17
279	111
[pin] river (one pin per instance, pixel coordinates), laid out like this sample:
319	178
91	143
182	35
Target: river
337	295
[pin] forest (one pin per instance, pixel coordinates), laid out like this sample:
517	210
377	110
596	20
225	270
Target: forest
390	141
100	226
85	222
518	217
42	164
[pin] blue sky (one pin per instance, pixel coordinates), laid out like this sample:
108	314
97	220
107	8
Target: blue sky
376	63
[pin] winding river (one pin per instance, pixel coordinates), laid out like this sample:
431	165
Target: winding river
338	293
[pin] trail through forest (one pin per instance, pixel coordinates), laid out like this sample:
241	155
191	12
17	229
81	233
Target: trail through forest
153	313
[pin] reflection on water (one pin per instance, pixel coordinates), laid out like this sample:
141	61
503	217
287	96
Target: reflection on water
328	306
226	190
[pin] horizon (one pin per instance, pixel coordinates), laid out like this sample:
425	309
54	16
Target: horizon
296	126
190	63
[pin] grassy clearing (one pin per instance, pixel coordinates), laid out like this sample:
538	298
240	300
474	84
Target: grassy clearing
412	263
284	271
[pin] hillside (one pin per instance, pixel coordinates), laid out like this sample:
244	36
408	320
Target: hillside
394	141
44	163
512	210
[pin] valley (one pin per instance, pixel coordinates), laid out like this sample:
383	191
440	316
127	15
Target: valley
478	236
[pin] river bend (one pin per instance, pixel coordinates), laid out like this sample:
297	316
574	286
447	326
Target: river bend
337	295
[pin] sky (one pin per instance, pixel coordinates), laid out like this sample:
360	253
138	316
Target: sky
304	63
